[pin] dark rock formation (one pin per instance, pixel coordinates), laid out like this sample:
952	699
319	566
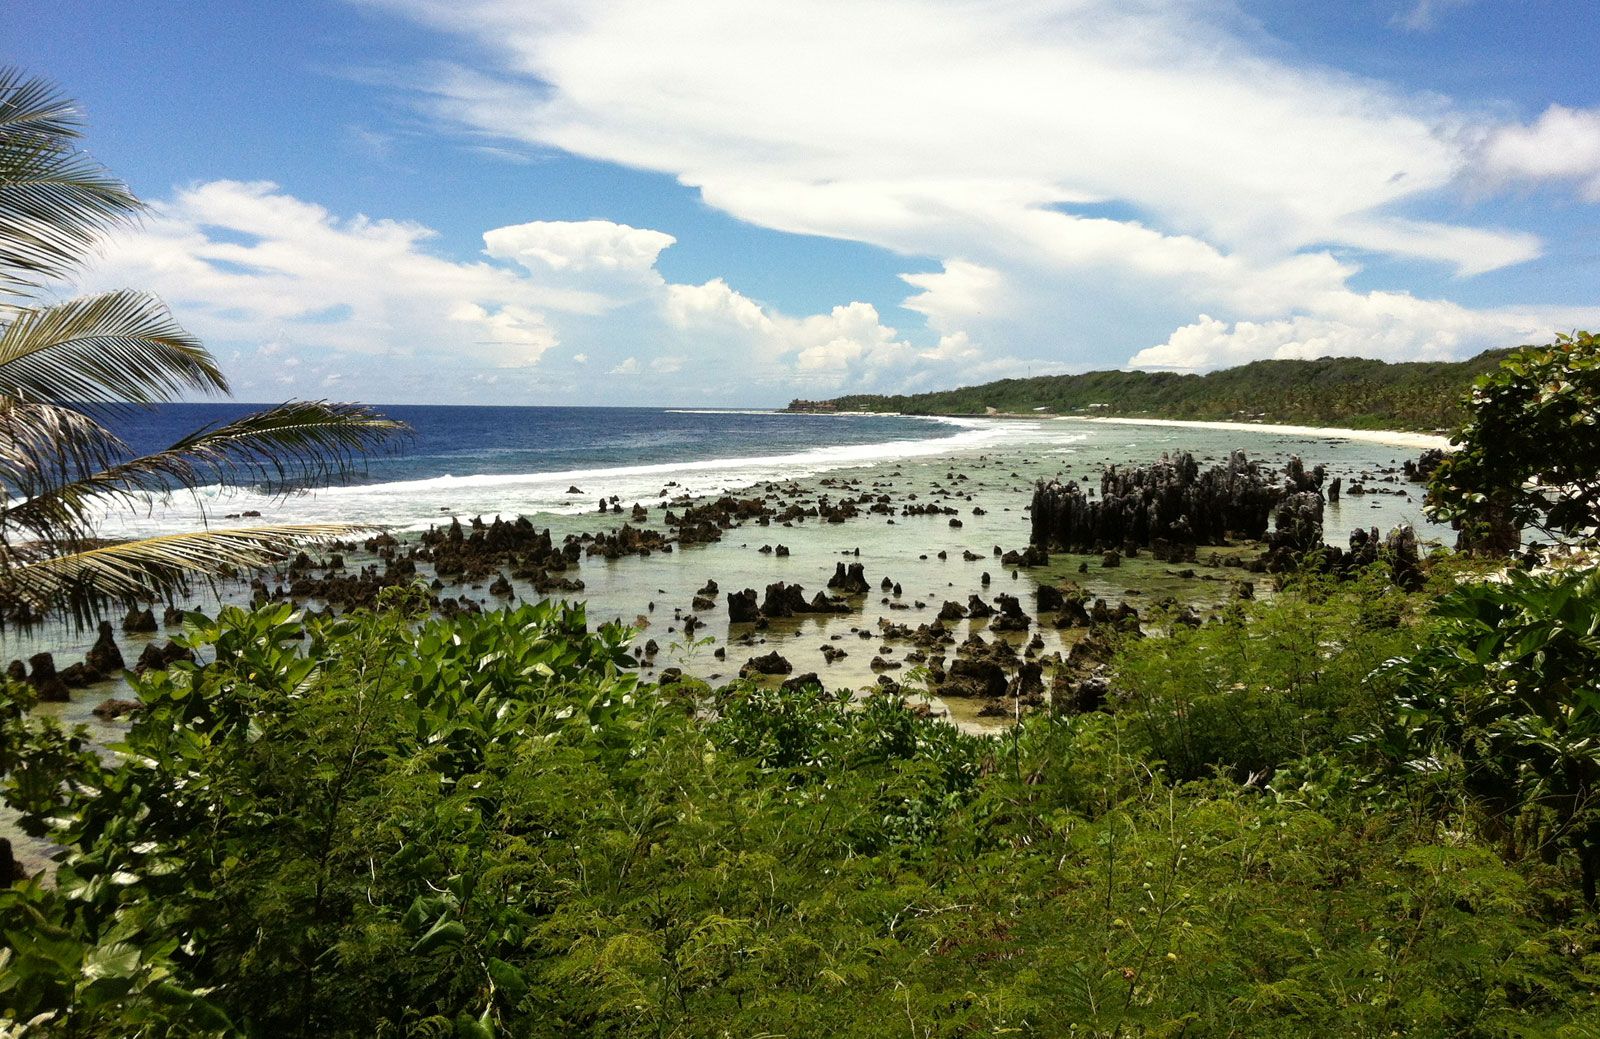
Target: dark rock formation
771	664
1170	506
1011	616
44	679
1421	470
800	683
10	869
112	709
742	607
851	581
784	600
157	658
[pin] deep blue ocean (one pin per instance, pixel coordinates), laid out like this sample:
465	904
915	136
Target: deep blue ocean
525	460
473	441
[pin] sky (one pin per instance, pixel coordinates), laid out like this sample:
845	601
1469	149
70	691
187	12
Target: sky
738	202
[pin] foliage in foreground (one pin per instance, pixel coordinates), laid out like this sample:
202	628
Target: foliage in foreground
375	826
1529	455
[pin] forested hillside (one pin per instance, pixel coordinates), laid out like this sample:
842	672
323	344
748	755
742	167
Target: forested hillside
1343	391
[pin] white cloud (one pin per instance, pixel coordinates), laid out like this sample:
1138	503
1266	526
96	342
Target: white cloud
1386	325
1082	171
250	265
246	261
915	115
1424	15
1562	144
578	245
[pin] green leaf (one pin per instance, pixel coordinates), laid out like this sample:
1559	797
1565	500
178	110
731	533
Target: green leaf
444	931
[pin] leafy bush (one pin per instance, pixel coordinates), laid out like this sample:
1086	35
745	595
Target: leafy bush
1529	454
1268	683
1504	700
383	825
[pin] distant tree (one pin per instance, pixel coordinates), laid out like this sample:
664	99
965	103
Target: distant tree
65	366
1529	453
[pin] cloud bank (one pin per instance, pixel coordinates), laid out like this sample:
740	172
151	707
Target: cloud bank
302	296
1092	182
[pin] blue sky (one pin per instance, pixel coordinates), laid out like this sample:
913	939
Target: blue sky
734	202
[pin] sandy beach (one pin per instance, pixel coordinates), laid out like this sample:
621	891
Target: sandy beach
1371	436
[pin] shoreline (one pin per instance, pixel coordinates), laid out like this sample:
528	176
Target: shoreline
1398	438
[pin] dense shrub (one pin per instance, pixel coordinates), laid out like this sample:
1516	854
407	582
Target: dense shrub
384	825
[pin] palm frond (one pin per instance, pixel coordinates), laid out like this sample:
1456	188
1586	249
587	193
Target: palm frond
43	446
117	346
294	445
81	583
55	201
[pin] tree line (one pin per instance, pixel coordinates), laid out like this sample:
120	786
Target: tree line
1336	391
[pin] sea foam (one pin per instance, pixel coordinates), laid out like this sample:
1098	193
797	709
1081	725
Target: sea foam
416	504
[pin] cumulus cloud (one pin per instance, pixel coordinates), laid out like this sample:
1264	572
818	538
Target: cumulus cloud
249	265
1563	144
1386	325
578	245
247	262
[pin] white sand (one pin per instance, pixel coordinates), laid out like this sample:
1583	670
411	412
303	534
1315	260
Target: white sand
1374	436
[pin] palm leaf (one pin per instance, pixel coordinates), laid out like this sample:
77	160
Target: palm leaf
54	200
44	446
294	445
117	346
81	583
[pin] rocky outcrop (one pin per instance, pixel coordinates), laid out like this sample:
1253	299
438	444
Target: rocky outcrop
160	657
114	708
772	663
849	581
44	679
1169	507
743	608
1421	470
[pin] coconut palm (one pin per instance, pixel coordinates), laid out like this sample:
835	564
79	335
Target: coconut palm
65	367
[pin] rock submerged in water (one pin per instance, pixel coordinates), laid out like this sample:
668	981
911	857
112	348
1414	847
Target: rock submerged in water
141	622
773	663
743	608
104	657
800	683
850	581
1170	504
45	680
159	658
113	708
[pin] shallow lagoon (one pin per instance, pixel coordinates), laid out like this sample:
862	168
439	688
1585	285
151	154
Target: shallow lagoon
1000	461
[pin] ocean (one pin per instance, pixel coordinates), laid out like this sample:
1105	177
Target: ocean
525	460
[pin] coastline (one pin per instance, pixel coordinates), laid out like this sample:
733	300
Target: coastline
1398	438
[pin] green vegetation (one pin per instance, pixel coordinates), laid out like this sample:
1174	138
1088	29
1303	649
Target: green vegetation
1344	391
387	825
1530	455
63	365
